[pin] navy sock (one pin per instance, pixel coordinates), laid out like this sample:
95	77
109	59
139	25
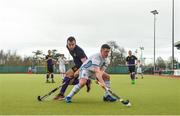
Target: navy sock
52	76
47	76
66	81
131	76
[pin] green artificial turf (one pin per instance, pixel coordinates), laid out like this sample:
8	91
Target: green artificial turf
149	96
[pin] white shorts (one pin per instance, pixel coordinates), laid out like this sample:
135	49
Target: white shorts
139	70
87	74
62	69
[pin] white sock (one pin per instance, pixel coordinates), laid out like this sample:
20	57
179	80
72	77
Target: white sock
74	90
107	83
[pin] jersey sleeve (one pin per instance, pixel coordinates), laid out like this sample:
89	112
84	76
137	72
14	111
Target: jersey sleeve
135	57
126	59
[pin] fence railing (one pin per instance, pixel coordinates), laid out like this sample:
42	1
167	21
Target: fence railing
43	70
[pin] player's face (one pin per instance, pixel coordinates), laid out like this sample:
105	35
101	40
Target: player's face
71	45
105	52
49	52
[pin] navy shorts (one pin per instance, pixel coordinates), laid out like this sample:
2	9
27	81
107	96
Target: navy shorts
131	69
50	69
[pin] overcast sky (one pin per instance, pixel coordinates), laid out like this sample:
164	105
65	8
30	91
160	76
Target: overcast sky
29	25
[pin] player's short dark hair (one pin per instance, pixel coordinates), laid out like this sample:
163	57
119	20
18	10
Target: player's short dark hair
105	46
71	39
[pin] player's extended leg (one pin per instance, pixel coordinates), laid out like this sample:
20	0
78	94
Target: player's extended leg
106	79
75	81
76	89
88	83
66	81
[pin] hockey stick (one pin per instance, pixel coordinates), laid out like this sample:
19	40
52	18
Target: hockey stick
124	102
40	98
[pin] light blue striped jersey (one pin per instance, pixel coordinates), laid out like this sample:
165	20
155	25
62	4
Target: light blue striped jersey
95	60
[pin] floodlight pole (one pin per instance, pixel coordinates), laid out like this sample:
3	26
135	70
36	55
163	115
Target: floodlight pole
172	34
154	13
141	48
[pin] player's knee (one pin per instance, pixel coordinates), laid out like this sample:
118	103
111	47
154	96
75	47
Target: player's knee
106	77
82	82
69	74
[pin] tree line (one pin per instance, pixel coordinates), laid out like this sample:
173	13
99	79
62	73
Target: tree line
11	58
117	57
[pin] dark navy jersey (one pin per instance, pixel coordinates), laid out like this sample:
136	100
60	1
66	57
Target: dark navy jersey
131	59
49	60
77	55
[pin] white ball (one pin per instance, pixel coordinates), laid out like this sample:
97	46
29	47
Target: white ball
128	105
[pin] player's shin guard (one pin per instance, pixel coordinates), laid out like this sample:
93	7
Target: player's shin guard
75	90
64	87
107	83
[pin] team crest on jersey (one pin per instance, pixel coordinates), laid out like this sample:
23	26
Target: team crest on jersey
74	54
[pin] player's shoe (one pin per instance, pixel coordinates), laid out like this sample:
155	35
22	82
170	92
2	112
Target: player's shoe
47	81
133	82
88	85
53	81
109	98
68	99
59	97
